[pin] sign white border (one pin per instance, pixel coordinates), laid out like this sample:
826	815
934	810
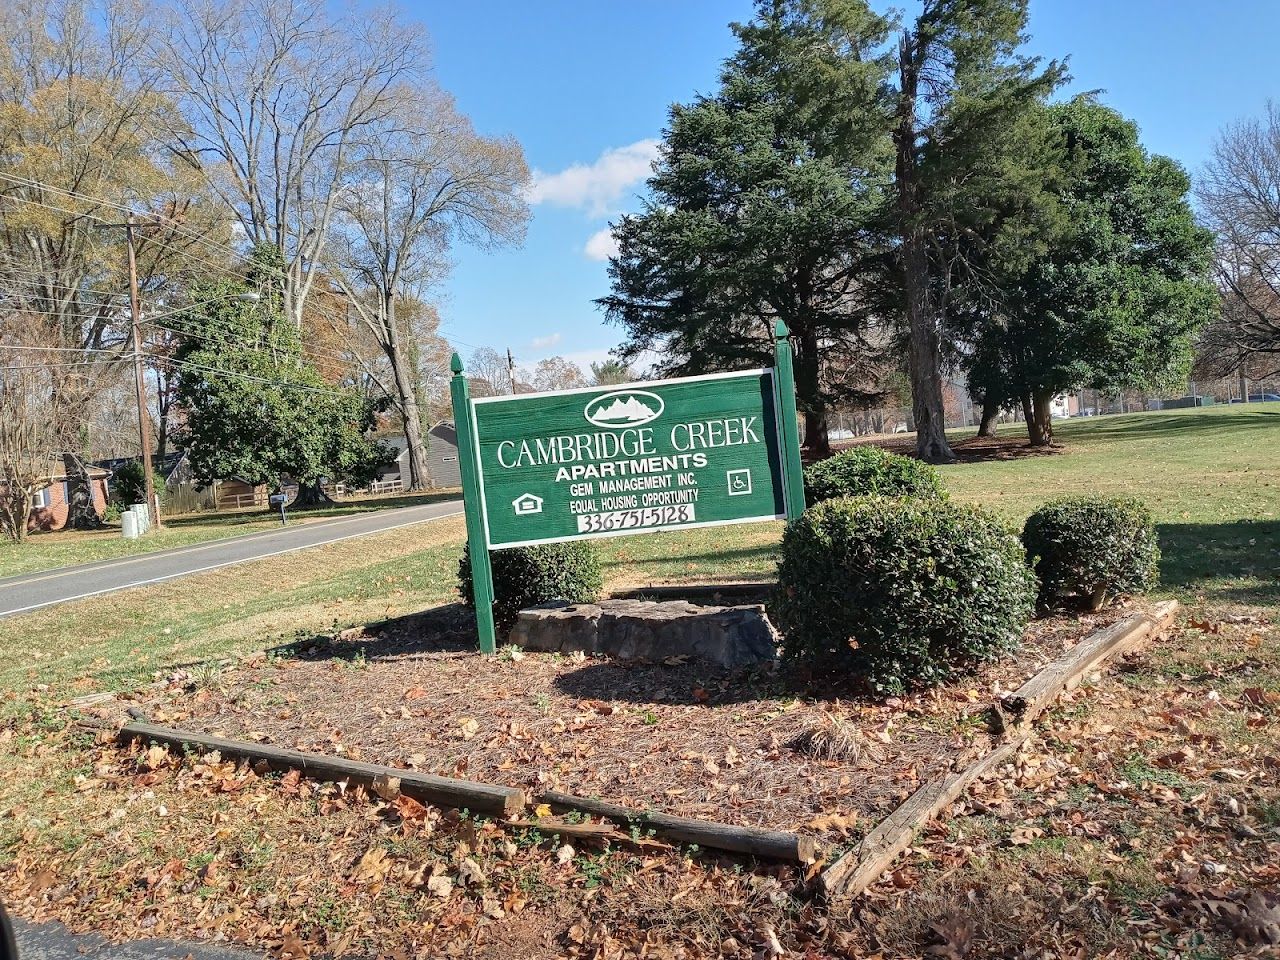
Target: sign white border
640	385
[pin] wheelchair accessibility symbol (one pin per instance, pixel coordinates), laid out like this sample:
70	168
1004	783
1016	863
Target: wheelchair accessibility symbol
739	482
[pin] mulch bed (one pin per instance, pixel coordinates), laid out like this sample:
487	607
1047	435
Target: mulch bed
683	737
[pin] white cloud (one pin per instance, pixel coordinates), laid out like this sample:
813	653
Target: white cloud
601	245
596	187
545	343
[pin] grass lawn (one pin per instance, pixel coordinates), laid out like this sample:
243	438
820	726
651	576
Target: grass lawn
1209	475
1156	780
63	548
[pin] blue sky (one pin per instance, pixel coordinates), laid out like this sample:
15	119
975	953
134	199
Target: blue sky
584	85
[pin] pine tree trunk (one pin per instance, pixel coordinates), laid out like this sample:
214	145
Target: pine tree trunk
925	360
1040	420
925	353
990	412
817	439
817	442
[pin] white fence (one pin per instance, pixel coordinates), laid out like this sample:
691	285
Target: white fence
387	486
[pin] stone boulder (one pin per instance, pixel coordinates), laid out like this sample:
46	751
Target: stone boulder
644	630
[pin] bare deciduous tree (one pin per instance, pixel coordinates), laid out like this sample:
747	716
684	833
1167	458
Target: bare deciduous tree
489	373
41	393
274	93
417	182
80	145
557	373
1239	194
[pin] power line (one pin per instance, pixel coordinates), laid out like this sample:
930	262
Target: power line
249	377
14	346
173	228
333	358
49	366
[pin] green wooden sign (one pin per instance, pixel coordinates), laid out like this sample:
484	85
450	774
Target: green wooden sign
630	459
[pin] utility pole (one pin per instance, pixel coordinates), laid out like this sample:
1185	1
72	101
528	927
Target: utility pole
144	420
511	371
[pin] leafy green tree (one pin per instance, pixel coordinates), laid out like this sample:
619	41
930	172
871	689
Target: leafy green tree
964	178
763	205
254	407
1122	283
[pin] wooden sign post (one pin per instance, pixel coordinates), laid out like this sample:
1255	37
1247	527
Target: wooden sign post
628	459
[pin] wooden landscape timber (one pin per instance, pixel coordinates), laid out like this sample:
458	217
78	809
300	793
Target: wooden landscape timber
846	878
1018	710
489	799
753	841
483	798
850	876
860	867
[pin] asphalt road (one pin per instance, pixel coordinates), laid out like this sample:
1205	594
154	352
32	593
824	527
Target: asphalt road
52	941
32	591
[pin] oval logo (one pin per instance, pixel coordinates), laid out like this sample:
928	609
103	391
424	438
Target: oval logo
623	408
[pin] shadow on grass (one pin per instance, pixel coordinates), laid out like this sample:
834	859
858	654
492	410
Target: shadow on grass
1172	421
1237	561
450	628
762	552
1010	444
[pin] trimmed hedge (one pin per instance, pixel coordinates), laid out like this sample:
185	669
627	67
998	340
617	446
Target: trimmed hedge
865	470
902	591
1092	547
527	576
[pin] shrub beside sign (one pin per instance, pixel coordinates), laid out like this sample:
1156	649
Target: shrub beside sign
617	460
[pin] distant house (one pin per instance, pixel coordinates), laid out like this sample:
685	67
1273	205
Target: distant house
49	507
181	493
442	455
442	460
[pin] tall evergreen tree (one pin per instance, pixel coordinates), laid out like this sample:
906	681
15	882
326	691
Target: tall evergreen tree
763	205
962	178
1120	286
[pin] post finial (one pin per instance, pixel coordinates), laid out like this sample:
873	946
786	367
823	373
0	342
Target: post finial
780	331
455	364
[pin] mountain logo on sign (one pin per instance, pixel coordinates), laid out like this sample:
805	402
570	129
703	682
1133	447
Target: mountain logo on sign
624	408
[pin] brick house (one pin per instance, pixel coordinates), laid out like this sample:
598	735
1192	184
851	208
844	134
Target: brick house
49	505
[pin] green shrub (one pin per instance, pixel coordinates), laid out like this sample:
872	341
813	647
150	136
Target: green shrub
112	513
864	471
1092	547
902	591
128	485
527	576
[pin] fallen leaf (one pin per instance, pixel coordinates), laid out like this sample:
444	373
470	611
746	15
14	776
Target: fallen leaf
834	821
469	872
1021	836
373	866
387	787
